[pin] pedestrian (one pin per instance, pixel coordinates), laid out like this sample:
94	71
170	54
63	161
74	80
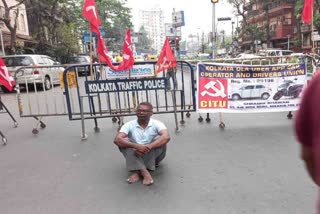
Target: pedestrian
307	129
171	74
143	144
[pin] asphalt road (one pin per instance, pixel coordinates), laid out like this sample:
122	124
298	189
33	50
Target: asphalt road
252	166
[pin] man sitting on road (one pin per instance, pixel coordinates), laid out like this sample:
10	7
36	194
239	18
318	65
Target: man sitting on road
143	144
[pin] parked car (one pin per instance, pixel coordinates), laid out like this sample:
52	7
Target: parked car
82	70
247	56
275	52
250	92
42	77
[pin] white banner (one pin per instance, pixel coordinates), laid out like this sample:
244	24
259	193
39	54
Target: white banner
249	88
146	70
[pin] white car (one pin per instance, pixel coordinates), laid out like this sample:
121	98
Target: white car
247	56
251	92
42	77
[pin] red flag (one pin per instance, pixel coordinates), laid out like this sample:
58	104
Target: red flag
5	77
90	12
307	11
167	58
127	54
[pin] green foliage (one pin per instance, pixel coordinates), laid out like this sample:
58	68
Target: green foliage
116	18
68	41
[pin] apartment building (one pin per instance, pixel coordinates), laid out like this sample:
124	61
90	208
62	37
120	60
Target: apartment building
22	26
273	16
153	22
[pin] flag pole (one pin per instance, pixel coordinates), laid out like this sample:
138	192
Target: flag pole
314	65
90	52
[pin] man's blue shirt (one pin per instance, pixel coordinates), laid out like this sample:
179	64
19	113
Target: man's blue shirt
137	134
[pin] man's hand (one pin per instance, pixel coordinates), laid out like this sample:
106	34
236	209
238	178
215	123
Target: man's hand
142	149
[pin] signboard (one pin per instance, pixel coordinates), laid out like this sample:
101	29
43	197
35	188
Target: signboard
178	19
224	19
247	88
315	36
71	79
106	86
146	70
172	32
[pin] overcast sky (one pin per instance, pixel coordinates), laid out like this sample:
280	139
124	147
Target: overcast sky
198	13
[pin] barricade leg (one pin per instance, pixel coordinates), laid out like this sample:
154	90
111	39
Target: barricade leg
208	118
40	124
221	125
4	139
2	105
175	108
200	118
83	134
182	105
96	128
188	113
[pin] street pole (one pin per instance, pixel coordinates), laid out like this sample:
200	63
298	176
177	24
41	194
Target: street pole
2	45
213	30
288	42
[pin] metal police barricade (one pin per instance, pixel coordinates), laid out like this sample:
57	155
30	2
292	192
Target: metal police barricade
40	91
4	109
115	94
295	64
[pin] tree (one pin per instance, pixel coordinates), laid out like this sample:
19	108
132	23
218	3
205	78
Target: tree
10	19
249	30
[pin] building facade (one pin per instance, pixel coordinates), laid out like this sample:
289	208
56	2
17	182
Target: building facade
276	18
22	26
153	22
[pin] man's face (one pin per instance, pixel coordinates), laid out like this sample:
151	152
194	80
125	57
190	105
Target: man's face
143	112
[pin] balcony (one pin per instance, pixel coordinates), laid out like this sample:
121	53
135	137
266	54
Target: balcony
256	15
280	5
281	32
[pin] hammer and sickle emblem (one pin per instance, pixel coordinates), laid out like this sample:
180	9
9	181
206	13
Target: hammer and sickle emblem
93	10
218	92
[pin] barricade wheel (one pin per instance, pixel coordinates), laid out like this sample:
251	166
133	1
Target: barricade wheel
15	124
188	114
114	119
35	131
42	125
222	125
289	115
96	129
208	120
47	83
182	122
4	140
200	119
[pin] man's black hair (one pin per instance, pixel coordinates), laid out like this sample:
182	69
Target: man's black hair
146	104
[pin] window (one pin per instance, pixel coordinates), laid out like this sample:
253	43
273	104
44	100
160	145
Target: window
18	61
260	86
249	87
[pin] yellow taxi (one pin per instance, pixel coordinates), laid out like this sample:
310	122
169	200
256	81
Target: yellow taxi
152	57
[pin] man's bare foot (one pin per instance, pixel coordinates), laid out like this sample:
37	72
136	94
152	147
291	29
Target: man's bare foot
147	178
133	178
